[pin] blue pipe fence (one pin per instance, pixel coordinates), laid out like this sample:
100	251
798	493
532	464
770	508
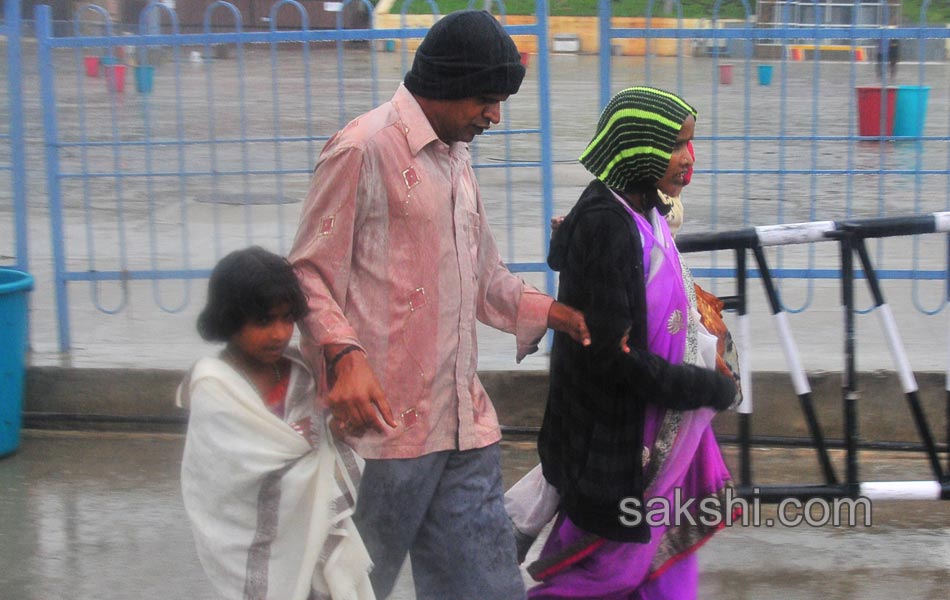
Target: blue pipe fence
210	143
210	158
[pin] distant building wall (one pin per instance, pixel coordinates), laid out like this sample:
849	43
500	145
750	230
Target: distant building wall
256	15
829	13
585	28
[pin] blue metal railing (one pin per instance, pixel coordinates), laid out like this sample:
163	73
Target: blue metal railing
806	136
156	186
133	164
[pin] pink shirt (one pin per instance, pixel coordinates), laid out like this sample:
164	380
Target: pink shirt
395	254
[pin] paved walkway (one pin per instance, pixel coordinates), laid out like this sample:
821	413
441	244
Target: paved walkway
98	516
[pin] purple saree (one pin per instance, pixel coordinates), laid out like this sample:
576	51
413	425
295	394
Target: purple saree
681	458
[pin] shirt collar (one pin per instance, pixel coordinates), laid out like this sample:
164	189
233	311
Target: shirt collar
415	125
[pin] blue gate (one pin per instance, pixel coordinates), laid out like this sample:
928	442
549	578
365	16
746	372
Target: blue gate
179	147
210	143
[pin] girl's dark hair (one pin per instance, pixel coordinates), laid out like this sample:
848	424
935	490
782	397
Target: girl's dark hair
246	285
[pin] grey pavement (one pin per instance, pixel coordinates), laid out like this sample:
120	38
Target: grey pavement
97	513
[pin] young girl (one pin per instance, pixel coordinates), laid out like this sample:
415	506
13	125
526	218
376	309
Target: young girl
268	493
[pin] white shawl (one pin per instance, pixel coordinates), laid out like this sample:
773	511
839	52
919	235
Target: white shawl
271	516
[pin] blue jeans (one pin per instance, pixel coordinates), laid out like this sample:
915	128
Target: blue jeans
447	511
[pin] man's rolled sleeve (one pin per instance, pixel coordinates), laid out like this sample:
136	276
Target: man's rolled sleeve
532	321
323	248
507	302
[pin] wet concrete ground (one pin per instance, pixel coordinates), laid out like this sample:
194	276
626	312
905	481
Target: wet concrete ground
99	516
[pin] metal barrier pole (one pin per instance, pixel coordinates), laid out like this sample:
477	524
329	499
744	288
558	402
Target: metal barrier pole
849	388
745	408
796	371
908	381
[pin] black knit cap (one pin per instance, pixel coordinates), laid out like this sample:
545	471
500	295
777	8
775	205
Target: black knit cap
466	53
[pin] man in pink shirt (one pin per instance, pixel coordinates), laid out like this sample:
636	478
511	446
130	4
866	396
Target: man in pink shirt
396	256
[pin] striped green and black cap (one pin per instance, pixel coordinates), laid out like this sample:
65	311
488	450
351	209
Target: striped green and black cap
635	137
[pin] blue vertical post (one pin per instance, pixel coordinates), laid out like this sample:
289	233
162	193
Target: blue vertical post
12	25
604	15
340	73
15	95
50	139
544	107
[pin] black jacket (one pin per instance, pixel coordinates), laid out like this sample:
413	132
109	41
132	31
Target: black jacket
591	438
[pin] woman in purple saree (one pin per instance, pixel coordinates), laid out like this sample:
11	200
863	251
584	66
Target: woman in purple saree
627	436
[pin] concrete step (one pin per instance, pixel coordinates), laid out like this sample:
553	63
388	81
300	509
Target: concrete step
143	399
